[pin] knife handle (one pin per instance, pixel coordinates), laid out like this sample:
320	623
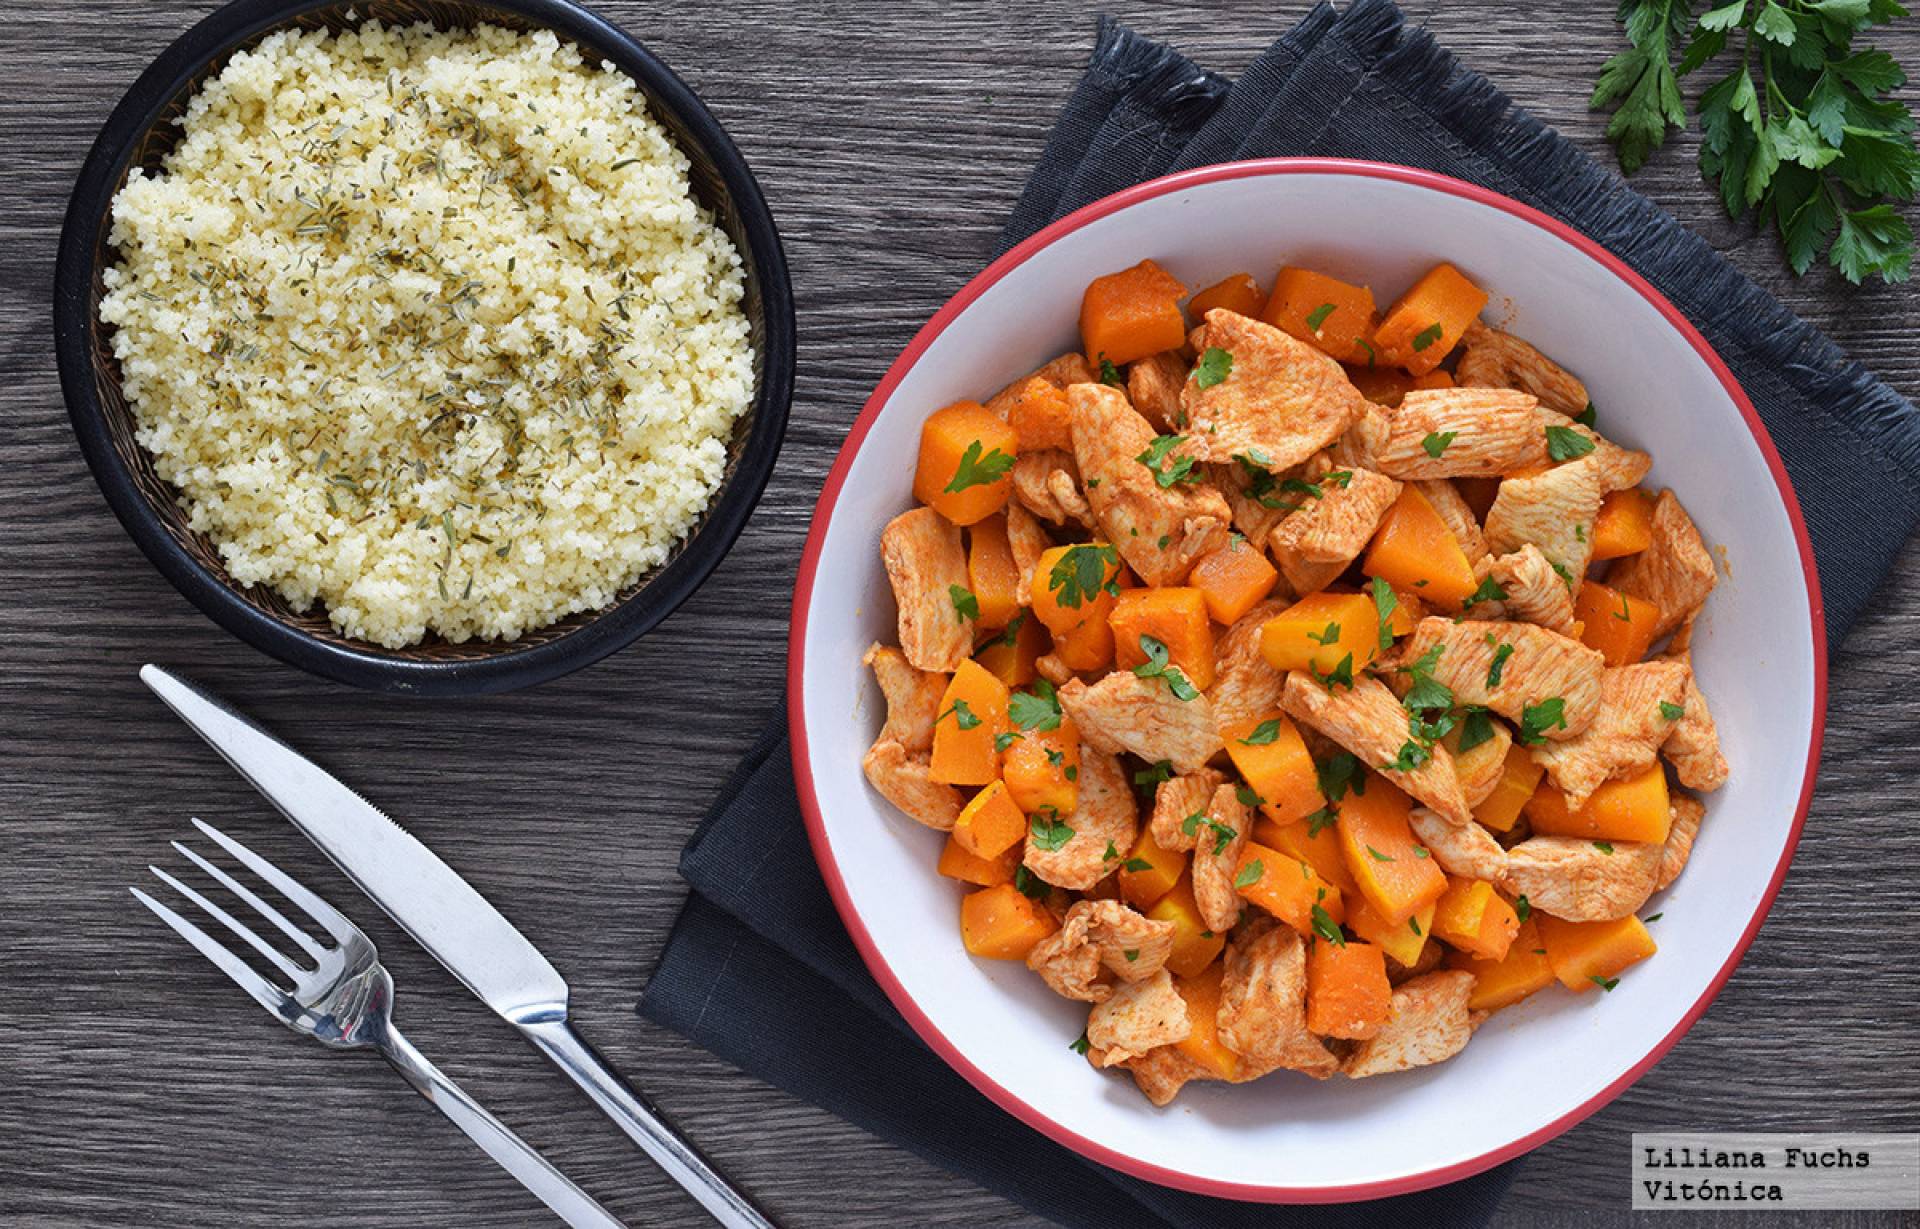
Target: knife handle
557	1039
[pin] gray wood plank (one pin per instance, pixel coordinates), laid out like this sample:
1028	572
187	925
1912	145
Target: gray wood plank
891	139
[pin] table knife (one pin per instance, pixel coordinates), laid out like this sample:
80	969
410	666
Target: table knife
445	915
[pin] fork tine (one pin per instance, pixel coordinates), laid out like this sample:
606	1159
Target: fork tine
334	921
287	928
263	991
240	932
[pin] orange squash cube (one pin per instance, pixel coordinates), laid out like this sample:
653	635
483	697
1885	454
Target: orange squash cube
1321	850
1149	872
1414	550
1404	941
1504	982
957	862
1286	887
1273	759
1010	655
1064	607
1194	946
1589	954
1348	994
1037	412
1624	525
1427	322
1434	379
1620	625
1334	316
1635	808
1472	917
1201	990
1317	632
1395	873
1131	314
1176	617
1042	769
973	714
1233	579
1001	923
1238	293
966	453
990	824
1519	778
992	575
1087	648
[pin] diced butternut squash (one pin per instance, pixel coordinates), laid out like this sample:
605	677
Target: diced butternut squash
1064	607
1286	887
1177	618
1319	631
1010	655
1348	994
1131	314
1201	990
1395	873
1404	941
1274	761
973	713
1428	321
1414	550
1233	579
1320	850
1519	778
1468	765
1589	954
1620	625
992	575
1472	917
1634	808
1038	415
1149	872
1504	982
1380	385
990	823
1323	311
1434	379
1086	648
1042	769
1239	294
957	862
1624	525
1194	946
1002	923
966	453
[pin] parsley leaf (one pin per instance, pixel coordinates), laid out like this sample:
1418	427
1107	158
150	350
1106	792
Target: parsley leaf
1247	797
1157	666
1436	441
1154	773
1109	374
1564	444
1490	590
965	604
1002	741
1050	832
1427	336
1081	573
1500	656
1038	709
1536	719
1320	819
1522	907
1327	636
1605	847
1011	636
1411	756
1341	674
1155	459
1475	728
1214	366
1263	734
1030	884
1318	316
1080	1044
1384	603
976	470
963	716
1323	925
1112	852
1672	712
1587	417
1249	874
1605	983
1338	774
1377	856
1136	865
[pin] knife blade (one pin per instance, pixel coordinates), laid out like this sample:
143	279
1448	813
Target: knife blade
445	915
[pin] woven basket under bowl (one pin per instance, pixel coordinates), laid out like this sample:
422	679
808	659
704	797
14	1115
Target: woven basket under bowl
140	133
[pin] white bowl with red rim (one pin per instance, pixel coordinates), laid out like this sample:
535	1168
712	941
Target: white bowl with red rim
1531	1071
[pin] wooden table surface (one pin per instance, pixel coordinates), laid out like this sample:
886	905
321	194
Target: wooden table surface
138	1087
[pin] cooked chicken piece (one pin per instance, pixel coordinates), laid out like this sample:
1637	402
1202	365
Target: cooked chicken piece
1314	544
1263	1000
1466	851
1431	956
1446	500
1427	1024
1069	368
1675	573
1123	712
1161	1074
1220	840
1693	742
902	779
1581	881
1542	666
1462	433
1686	812
1536	593
1103	815
1049	667
913	697
1480	773
1282	401
1619	467
1244	685
1158	530
1367	720
1361	444
1096	935
1153	385
1047	484
1254	514
1624	737
1490	358
1136	1018
1177	798
923	555
1029	541
1554	511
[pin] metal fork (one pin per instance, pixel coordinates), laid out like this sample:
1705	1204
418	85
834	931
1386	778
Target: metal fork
345	1000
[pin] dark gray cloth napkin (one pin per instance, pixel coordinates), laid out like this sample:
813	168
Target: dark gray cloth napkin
759	969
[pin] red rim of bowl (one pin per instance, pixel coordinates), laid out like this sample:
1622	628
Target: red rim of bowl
810	561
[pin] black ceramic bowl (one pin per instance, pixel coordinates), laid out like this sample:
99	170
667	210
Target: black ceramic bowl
141	132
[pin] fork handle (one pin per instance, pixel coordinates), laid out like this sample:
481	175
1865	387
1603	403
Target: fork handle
513	1154
557	1039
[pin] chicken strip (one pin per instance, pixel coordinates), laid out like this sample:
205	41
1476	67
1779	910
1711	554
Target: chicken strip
1161	1074
1535	593
1123	712
1619	468
1676	573
1427	1024
913	697
1159	530
1154	384
1244	685
1263	1000
1138	1017
1176	800
1693	742
1624	737
1103	816
1315	543
1554	512
924	559
1069	368
1100	935
903	779
1220	840
1028	540
1367	720
1281	401
1047	484
1686	813
1466	851
1360	445
1511	667
1451	506
1462	433
1253	496
1490	358
1581	880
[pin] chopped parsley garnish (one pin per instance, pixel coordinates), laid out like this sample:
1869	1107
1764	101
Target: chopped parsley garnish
1654	917
1050	832
1625	613
1155	459
1537	719
1500	656
965	604
1413	924
1132	954
1341	771
1222	835
1672	712
1002	741
1109	374
1377	856
1420	851
963	716
1522	907
1587	417
1328	636
1136	865
1426	337
1214	366
1323	925
1262	734
1341	674
1341	478
1566	576
1411	756
1011	636
1154	773
976	470
1038	709
1318	316
1080	1044
1436	441
1490	590
1320	819
1249	874
1564	444
1605	983
1605	847
1372	354
1426	693
1299	486
1029	884
1158	666
1113	851
1475	728
1247	798
1081	573
1384	603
